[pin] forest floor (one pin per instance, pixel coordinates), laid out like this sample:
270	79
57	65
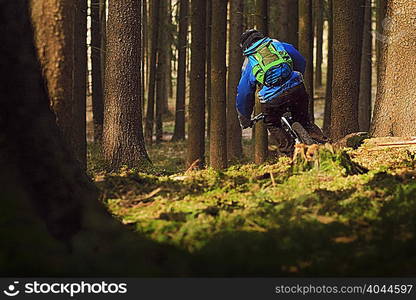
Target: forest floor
332	213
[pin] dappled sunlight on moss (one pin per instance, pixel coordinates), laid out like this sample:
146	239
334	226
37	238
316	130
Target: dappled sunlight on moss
323	216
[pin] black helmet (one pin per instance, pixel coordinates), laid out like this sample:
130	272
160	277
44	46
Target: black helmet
249	37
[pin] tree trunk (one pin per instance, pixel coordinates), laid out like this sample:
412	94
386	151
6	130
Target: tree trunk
379	34
306	48
288	21
161	69
319	21
60	35
150	112
123	142
273	18
208	67
218	138
348	29
51	205
234	145
364	102
260	131
179	131
329	74
97	87
196	124
103	27
395	107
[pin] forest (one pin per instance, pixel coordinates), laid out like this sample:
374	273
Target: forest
129	144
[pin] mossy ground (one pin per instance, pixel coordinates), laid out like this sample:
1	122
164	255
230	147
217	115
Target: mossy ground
329	216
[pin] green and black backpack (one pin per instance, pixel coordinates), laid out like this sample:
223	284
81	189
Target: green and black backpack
272	65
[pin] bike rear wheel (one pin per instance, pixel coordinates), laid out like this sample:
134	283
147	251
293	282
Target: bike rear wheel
303	134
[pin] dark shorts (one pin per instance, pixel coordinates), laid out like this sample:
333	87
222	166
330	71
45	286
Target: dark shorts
294	100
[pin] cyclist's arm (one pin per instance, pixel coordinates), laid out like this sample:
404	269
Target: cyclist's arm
299	62
245	95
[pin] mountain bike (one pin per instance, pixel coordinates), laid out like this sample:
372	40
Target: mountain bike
294	129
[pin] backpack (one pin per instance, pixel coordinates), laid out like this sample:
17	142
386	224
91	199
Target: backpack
272	66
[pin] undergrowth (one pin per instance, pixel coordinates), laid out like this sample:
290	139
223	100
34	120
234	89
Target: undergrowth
333	214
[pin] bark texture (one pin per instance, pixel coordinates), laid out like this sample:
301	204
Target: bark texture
329	74
196	124
161	70
288	21
179	131
306	48
123	135
234	145
48	204
97	86
218	138
150	111
364	102
395	107
260	131
60	36
319	30
348	29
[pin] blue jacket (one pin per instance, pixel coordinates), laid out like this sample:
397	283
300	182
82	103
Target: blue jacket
247	85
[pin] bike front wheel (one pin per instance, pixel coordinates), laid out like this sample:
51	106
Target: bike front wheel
303	134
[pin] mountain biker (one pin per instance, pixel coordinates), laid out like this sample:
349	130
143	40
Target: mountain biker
278	68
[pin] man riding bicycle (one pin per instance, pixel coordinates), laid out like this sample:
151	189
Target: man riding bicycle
278	68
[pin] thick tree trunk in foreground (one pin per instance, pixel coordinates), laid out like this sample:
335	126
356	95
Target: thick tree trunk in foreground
395	107
179	131
381	22
306	48
319	30
260	131
97	86
123	141
329	74
48	204
348	28
218	138
60	35
196	124
234	145
150	112
364	102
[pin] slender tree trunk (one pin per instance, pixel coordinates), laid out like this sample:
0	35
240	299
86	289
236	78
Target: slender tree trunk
179	131
161	69
123	141
234	145
167	54
364	102
306	48
273	22
150	112
196	124
218	138
60	35
288	21
103	27
208	66
97	87
348	29
260	132
329	74
319	21
395	107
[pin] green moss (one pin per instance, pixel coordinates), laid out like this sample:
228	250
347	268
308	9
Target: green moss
327	216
